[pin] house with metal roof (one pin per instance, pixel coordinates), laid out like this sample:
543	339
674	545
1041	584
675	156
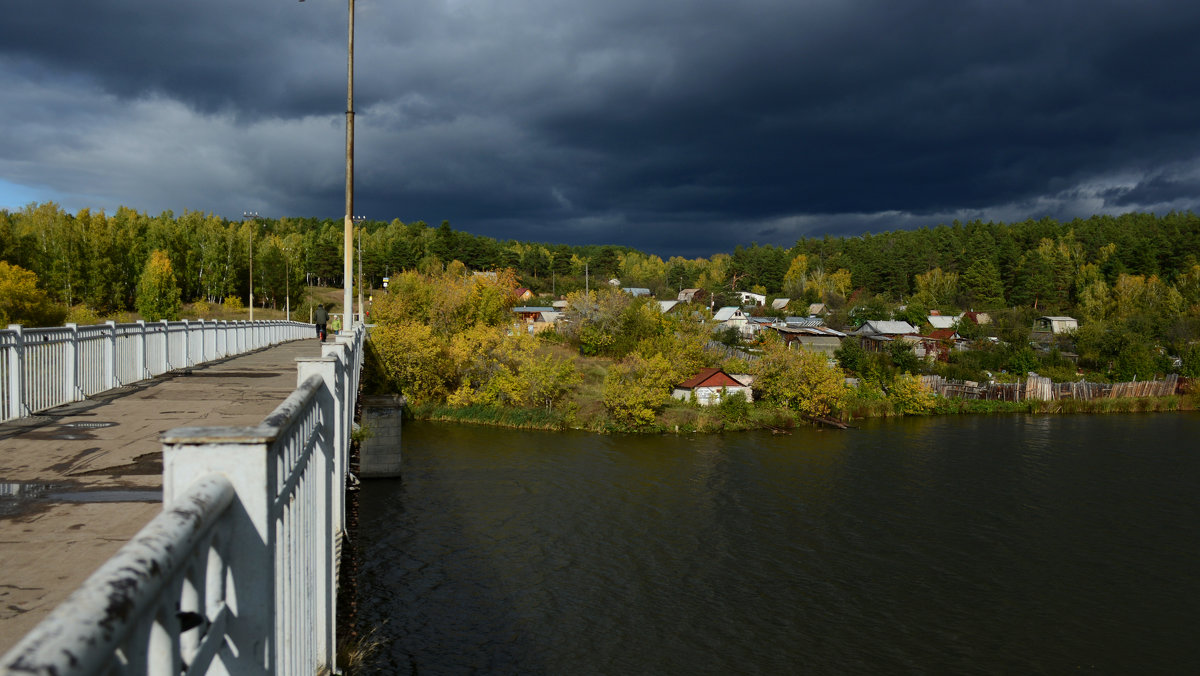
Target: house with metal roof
665	306
636	291
875	335
751	298
1055	325
814	339
942	321
780	303
709	386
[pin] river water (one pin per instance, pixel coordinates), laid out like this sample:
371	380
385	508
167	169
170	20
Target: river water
1002	544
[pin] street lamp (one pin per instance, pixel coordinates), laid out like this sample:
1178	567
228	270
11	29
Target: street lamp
362	317
251	216
287	281
348	226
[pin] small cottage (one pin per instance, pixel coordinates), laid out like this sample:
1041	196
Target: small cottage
1055	325
709	385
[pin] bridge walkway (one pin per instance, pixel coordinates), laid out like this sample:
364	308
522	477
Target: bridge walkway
78	481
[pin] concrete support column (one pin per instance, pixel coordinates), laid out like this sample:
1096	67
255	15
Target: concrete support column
379	451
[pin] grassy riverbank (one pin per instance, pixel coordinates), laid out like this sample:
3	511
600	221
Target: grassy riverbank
681	417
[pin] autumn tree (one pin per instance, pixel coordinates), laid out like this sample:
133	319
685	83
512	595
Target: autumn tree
22	302
158	295
637	389
799	380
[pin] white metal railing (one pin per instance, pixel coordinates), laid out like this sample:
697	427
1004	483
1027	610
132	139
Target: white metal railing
238	575
46	367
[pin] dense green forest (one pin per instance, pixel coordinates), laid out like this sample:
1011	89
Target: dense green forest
1086	266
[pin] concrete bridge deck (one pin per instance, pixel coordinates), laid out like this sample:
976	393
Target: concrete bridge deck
88	476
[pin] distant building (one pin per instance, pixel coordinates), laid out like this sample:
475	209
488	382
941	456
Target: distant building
1055	325
690	295
749	298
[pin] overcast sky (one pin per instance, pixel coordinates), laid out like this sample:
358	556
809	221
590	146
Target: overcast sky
675	126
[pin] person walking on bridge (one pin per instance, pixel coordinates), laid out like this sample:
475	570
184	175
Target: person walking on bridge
321	318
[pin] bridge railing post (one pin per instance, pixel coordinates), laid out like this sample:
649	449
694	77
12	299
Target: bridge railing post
341	424
143	356
164	329
332	500
70	375
17	406
187	345
110	355
249	537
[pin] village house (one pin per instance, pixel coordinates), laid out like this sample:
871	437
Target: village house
523	294
665	306
636	291
709	386
1055	325
536	319
780	304
874	335
750	298
691	295
938	344
814	339
816	309
938	321
804	322
729	316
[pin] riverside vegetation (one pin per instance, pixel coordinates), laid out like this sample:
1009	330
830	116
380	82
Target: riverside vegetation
448	342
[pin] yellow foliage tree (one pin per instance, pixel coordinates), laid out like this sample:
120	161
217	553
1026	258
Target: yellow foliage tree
799	380
637	389
158	294
413	361
22	302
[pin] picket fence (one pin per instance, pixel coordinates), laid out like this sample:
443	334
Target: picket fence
1040	388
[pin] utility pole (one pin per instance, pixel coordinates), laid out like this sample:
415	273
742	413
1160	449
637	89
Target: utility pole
251	216
348	223
362	316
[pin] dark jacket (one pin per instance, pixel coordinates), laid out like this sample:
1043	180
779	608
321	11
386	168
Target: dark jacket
320	316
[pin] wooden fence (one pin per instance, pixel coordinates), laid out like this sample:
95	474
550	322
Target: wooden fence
1042	389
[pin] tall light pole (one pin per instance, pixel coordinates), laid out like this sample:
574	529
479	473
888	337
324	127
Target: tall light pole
348	225
251	216
362	316
287	281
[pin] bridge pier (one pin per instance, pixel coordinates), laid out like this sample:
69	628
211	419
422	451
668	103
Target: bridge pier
379	448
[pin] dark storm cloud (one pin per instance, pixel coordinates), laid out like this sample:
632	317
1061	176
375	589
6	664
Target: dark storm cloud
681	126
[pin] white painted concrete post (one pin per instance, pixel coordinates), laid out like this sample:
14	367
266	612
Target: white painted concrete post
143	357
110	355
242	455
165	328
187	345
342	418
71	389
17	407
332	501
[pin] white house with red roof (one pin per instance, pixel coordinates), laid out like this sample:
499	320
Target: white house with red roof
709	385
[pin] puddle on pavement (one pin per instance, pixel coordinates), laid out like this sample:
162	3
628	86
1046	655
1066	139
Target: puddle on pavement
19	497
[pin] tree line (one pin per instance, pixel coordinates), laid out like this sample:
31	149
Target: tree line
1085	266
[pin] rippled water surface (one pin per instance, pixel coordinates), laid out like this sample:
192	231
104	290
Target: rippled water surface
1009	545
